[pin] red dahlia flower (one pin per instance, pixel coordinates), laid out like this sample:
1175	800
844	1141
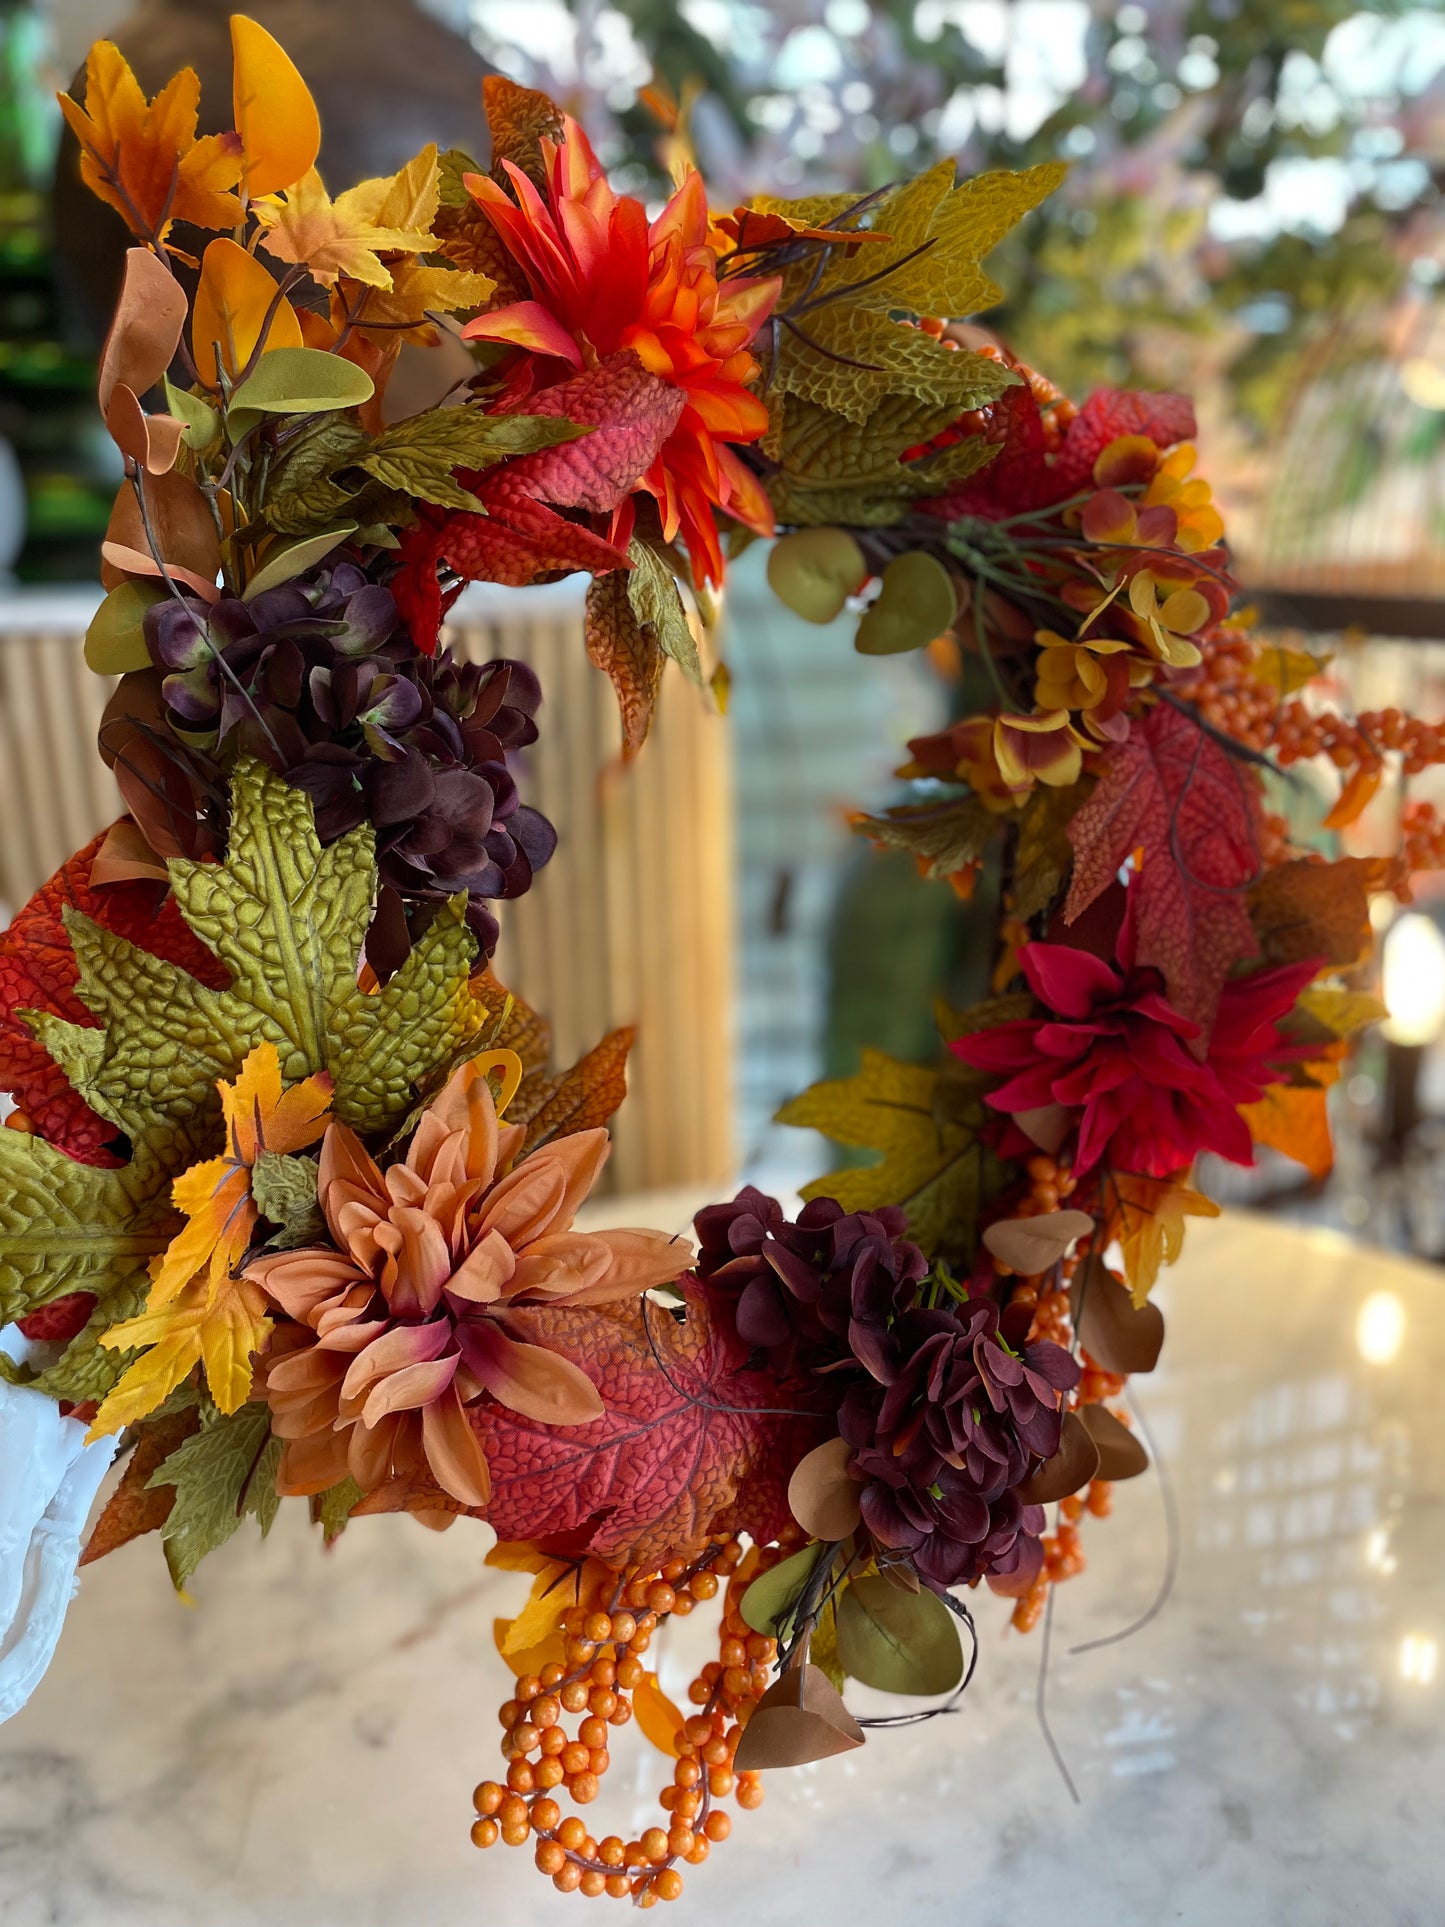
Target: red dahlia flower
605	282
1115	1051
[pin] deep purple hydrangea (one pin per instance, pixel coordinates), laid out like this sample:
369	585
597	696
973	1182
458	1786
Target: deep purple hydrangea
956	1420
815	1293
947	1408
319	679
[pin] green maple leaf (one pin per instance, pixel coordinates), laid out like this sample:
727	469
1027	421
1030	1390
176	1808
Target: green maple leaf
289	920
831	469
967	224
925	1124
417	456
221	1474
853	357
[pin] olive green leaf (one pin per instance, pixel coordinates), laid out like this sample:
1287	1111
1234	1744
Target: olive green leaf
900	1642
925	1124
285	1188
418	456
203	423
115	641
769	1602
1044	855
301	494
940	836
288	561
657	605
332	1508
69	1227
221	1474
814	572
301	381
917	602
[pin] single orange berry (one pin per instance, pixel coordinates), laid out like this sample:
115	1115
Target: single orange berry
550	1857
513	1811
654	1844
546	1815
485	1833
619	1886
568	1877
488	1797
668	1884
571	1833
548	1773
611	1852
718	1826
584	1788
520	1778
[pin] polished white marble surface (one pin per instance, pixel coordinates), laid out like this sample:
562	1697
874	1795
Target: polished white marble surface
298	1750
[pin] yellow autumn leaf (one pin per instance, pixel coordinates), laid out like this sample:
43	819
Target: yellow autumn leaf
332	238
198	1311
1294	1118
143	158
1147	1216
659	1720
529	1659
221	1325
234	299
275	115
417	291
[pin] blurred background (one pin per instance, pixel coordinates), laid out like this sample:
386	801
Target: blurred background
1253	214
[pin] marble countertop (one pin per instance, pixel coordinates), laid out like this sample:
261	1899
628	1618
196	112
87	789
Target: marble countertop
298	1749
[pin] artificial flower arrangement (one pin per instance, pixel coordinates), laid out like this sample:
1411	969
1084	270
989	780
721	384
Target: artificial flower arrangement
287	1202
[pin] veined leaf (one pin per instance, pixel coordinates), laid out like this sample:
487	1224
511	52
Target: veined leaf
657	605
220	1475
418	456
925	1123
900	1642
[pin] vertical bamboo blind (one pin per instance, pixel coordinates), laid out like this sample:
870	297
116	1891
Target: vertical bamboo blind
631	922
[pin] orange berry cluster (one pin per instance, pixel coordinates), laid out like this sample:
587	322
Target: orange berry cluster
1063	1551
606	1635
1422	842
1228	692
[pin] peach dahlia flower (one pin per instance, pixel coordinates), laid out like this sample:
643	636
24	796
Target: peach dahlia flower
402	1323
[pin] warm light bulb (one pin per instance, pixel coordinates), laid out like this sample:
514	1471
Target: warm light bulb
1423	382
1419	1658
1414	981
1380	1328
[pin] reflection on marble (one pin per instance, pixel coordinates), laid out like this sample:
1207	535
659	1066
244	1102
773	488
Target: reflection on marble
299	1749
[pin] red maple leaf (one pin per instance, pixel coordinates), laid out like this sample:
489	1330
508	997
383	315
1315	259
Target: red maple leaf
38	971
692	1442
521	536
1174	793
1023	475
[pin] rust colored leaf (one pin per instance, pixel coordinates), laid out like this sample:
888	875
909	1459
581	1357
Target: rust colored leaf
823	1493
1193	809
1031	1246
134	1508
38	972
1147	1216
551	1105
146	331
181	524
1303	910
1355	797
689	1443
520	119
627	652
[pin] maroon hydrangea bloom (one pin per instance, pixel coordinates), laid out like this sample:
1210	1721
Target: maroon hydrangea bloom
319	679
817	1294
957	1423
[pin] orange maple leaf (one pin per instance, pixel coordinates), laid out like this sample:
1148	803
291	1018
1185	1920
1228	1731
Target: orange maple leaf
1294	1118
143	158
1147	1216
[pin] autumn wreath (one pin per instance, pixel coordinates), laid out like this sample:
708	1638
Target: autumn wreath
288	1202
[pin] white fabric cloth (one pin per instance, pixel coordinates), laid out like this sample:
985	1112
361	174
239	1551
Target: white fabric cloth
49	1478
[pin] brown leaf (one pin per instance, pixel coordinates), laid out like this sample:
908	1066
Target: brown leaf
1033	1245
147	327
1115	1332
1069	1470
627	651
151	441
184	532
1121	1456
823	1494
126	857
132	1508
800	1718
579	1099
1304	910
519	119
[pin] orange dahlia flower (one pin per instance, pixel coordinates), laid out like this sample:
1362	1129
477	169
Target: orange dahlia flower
603	281
403	1322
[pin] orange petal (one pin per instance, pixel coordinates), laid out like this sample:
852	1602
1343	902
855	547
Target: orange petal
640	1261
525	324
537	1383
409	1389
486	1270
454	1452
